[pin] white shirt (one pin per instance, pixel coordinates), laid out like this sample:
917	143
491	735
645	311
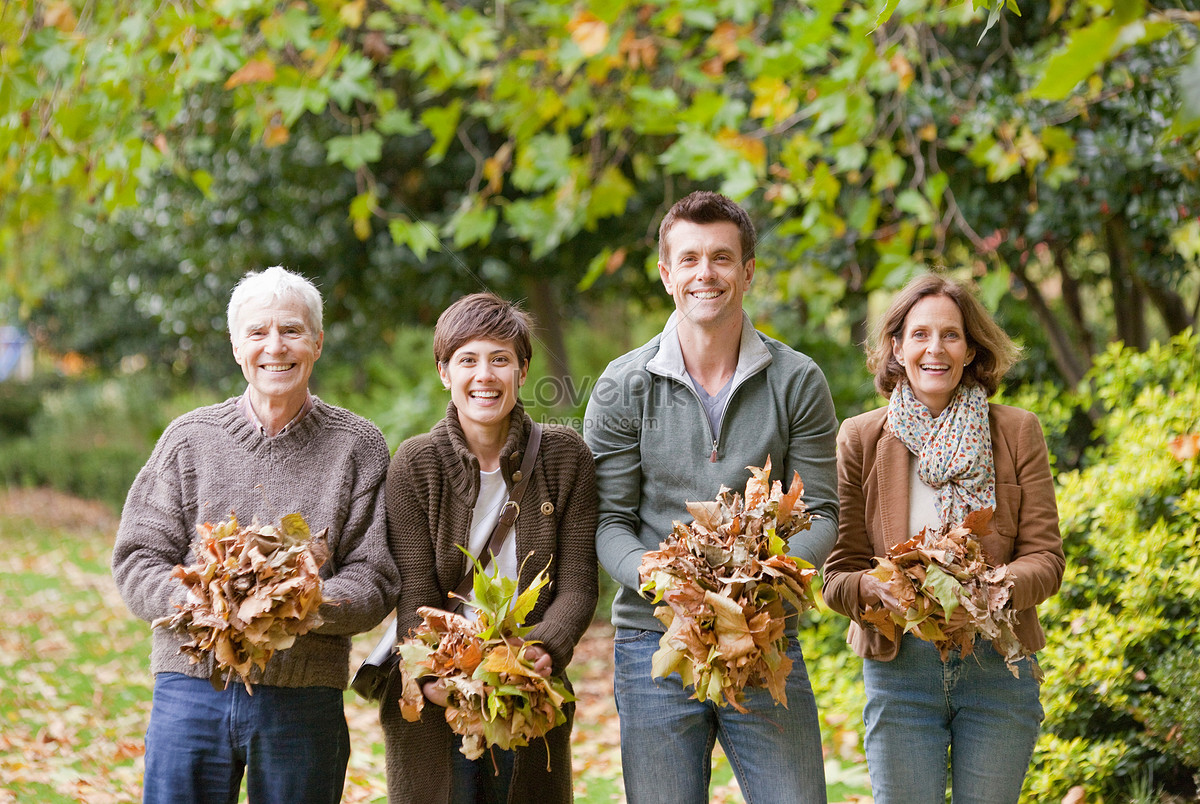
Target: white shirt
922	502
493	493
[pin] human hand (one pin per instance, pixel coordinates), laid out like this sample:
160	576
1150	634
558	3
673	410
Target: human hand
958	620
435	692
540	658
874	592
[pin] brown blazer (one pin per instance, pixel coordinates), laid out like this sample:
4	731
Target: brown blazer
873	480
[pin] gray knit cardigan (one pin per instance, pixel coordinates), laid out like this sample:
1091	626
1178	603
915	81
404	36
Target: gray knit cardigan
330	467
432	486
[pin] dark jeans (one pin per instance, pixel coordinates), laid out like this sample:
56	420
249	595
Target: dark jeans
291	744
478	781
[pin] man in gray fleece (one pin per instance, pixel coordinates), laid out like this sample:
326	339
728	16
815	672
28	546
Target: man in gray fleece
673	421
274	450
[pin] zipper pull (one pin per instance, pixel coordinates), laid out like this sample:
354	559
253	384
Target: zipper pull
713	458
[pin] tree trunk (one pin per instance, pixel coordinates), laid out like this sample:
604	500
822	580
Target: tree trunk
550	345
1170	306
1070	362
1127	300
1073	299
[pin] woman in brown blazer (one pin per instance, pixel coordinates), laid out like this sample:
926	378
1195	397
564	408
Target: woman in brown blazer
937	451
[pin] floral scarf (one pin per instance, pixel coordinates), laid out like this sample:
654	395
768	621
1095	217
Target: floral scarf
954	451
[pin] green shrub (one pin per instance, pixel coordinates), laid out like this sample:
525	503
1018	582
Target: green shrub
1121	660
19	404
91	437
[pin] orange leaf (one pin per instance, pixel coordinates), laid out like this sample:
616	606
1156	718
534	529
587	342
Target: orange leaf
1185	447
252	72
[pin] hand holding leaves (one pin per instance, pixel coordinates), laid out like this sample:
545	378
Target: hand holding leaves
495	686
939	586
256	590
725	579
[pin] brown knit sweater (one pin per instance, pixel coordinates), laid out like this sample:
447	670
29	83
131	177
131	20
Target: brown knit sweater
432	486
329	468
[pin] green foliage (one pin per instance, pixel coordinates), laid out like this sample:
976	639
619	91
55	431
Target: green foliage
90	438
1121	663
538	142
836	677
19	404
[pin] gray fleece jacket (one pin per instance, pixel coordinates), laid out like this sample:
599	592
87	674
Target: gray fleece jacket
329	467
655	450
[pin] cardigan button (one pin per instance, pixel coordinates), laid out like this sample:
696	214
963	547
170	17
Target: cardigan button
547	508
517	476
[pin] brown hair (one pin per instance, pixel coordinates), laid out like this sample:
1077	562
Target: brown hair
482	315
705	206
995	353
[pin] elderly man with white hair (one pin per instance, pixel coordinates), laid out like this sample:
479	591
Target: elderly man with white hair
274	450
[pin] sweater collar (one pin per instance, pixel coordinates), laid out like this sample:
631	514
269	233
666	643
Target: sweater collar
463	466
753	355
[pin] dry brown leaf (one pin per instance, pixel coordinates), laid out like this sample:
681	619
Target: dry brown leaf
256	589
725	579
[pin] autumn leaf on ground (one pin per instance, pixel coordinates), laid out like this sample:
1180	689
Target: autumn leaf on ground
726	578
494	695
936	573
254	591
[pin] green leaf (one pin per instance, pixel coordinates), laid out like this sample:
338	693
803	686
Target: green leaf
542	162
1189	90
885	13
417	235
473	223
398	121
944	587
442	123
353	83
528	599
356	150
1082	55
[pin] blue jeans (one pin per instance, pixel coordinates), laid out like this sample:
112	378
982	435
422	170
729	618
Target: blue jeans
667	738
478	781
921	710
292	744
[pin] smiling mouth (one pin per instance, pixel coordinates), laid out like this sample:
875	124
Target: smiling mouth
710	293
935	367
485	394
278	368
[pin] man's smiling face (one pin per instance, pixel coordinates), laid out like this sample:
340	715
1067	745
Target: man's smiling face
705	274
276	348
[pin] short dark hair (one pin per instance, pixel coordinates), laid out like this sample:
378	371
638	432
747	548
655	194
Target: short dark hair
705	206
995	353
482	315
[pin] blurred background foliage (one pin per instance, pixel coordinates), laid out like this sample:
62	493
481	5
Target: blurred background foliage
404	152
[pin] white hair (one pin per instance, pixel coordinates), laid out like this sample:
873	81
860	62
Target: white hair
274	284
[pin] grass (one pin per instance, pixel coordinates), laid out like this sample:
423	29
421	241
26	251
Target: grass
74	667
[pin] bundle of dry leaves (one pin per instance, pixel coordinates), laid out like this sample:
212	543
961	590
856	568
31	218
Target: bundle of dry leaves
935	573
725	579
494	695
255	590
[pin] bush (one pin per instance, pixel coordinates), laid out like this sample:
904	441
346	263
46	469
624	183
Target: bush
19	404
1120	694
90	438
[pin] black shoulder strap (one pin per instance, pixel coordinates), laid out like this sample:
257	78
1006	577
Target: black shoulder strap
508	515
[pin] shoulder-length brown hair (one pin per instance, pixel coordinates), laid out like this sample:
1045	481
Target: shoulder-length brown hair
995	353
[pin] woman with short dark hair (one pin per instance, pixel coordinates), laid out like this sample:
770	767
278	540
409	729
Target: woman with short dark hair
935	453
445	489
